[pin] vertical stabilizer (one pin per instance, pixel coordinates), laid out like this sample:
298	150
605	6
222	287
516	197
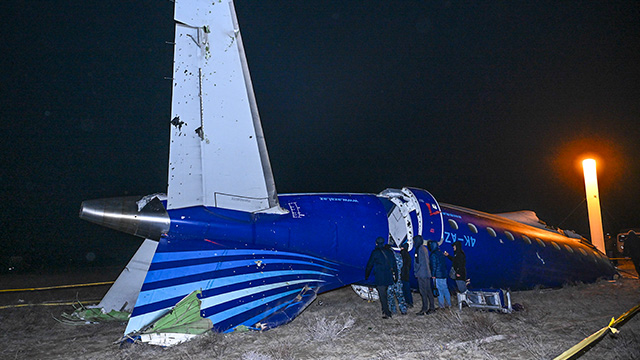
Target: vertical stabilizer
218	156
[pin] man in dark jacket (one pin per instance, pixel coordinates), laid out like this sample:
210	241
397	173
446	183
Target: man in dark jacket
632	249
439	273
404	273
383	262
459	266
422	271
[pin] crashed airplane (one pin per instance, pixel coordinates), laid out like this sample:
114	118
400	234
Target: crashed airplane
241	256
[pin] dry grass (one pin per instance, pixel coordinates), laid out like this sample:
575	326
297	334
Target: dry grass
323	329
340	325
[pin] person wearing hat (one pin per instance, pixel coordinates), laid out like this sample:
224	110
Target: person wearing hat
459	266
383	262
439	273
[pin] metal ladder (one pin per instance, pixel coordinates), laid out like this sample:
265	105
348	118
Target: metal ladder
488	299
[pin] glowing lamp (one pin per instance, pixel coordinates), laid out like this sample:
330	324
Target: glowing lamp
593	203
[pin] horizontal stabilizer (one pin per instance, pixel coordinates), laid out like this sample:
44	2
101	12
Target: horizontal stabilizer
123	293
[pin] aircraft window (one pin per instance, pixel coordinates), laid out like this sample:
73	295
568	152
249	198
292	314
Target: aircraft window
569	248
491	232
473	228
540	242
509	235
526	239
453	224
555	245
582	251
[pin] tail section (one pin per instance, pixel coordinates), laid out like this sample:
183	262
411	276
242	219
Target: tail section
255	288
226	251
218	156
145	216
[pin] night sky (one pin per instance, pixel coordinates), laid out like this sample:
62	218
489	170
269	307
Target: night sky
487	105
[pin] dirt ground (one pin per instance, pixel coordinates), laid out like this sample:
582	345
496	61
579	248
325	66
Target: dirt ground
337	325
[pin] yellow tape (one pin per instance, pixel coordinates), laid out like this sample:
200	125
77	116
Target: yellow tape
57	287
576	350
87	302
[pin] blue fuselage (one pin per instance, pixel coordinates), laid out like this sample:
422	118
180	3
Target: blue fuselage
502	253
342	228
261	268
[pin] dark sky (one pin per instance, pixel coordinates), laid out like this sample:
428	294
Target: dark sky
487	105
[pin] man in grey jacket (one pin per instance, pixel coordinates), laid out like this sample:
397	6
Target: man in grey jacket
423	273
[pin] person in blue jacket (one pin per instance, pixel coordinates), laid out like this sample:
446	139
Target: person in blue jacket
439	273
383	263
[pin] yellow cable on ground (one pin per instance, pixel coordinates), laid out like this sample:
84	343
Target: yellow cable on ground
49	304
577	350
57	287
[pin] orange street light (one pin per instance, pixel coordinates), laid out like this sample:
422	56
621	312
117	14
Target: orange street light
593	203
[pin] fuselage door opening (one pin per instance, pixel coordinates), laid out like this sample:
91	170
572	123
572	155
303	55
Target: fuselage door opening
401	224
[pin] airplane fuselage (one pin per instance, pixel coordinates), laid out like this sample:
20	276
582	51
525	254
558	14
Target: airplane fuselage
503	253
248	264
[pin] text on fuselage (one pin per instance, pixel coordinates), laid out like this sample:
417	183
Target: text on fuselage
467	240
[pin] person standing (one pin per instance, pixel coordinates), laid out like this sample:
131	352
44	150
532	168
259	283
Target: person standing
439	273
404	274
422	271
459	260
395	291
632	249
383	262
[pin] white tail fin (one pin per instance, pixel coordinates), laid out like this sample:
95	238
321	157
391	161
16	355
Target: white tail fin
123	293
218	156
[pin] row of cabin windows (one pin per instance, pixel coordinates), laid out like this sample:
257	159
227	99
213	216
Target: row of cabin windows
454	225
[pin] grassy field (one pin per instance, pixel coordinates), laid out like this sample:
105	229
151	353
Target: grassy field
338	325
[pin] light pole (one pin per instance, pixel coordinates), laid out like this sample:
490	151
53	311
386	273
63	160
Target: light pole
593	204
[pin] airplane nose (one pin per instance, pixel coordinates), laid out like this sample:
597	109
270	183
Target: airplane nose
141	216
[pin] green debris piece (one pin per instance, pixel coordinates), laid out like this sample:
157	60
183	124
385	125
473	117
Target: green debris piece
95	315
195	328
241	329
184	318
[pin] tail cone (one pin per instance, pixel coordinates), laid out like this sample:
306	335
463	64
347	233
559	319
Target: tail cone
145	217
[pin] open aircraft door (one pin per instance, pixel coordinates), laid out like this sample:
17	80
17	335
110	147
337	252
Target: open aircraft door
414	212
